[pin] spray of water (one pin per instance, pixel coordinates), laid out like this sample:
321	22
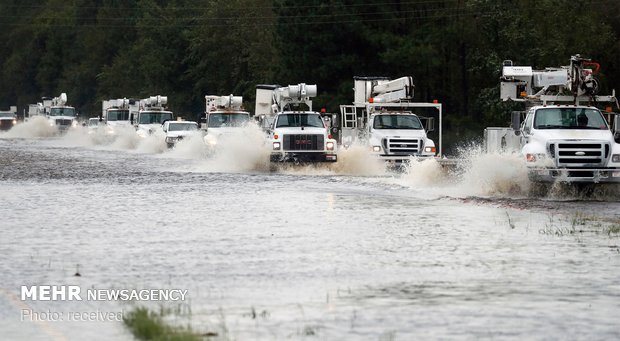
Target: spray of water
243	150
37	126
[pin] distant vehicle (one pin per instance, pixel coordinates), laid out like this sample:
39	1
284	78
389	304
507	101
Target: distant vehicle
178	130
149	114
224	115
8	118
296	133
562	139
59	115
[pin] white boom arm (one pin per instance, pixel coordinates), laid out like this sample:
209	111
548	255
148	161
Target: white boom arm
223	102
523	84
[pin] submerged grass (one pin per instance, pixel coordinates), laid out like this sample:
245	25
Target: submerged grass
148	325
580	223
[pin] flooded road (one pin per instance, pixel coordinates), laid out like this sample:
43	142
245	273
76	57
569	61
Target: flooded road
347	252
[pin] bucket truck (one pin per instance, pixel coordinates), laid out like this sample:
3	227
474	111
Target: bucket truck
296	133
565	136
383	117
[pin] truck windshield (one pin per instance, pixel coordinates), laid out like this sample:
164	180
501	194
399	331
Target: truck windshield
152	117
182	126
66	111
569	118
118	115
300	120
228	120
397	122
7	114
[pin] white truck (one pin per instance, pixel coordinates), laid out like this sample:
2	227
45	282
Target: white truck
178	130
115	112
565	136
59	114
148	115
296	133
224	115
383	117
8	118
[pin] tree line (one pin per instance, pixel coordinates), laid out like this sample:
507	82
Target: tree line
100	49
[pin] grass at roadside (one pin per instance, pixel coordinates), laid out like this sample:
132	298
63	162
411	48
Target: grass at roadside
148	325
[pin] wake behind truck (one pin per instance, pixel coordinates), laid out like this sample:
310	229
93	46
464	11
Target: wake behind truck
383	117
565	136
56	111
296	133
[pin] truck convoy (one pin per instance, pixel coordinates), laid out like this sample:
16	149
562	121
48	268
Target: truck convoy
382	117
148	115
8	118
224	116
296	133
59	114
565	136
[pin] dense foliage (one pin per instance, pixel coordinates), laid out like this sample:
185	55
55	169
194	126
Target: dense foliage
185	49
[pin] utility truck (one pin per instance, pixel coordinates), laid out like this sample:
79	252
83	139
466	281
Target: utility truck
8	118
148	115
115	112
565	136
296	133
383	117
56	111
224	115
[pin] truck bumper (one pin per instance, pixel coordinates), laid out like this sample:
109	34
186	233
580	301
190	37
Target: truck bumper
575	175
400	159
303	157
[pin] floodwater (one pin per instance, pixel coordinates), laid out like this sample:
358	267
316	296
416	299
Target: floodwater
347	251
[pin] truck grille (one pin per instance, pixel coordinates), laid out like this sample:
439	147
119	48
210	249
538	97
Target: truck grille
303	142
6	124
579	153
63	122
402	146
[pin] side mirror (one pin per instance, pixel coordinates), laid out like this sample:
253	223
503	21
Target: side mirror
516	121
131	118
429	124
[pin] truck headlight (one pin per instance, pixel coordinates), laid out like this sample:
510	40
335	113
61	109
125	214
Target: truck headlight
376	149
615	158
276	145
329	146
14	121
534	157
74	124
141	133
170	139
430	150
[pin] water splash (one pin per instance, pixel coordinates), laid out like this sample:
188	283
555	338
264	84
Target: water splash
37	126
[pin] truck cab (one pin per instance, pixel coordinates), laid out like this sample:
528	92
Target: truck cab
148	115
224	116
398	135
569	143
